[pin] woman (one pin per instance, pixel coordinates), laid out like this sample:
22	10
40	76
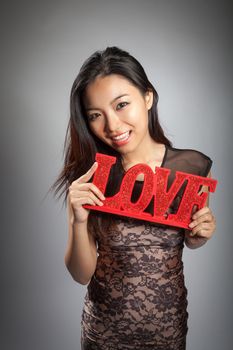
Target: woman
136	297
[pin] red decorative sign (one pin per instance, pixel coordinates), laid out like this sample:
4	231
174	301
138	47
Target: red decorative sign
154	185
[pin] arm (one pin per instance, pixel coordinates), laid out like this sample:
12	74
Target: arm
194	242
200	237
81	253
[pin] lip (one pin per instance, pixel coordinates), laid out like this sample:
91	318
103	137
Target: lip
121	142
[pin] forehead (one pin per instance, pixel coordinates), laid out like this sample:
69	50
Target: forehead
107	88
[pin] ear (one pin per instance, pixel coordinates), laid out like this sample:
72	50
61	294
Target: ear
149	99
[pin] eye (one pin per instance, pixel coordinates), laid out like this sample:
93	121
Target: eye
122	104
93	116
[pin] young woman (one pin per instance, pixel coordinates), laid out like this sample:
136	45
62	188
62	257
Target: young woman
136	297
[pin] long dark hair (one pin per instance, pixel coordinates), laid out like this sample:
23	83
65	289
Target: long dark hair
81	144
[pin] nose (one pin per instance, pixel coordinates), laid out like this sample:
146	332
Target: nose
112	123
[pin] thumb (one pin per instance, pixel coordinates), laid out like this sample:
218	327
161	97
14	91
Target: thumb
195	209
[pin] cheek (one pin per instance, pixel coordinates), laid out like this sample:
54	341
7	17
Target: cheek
98	130
136	114
96	126
94	129
138	117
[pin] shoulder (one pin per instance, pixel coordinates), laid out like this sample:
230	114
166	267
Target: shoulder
193	160
189	152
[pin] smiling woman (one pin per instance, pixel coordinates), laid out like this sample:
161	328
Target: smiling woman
122	120
136	297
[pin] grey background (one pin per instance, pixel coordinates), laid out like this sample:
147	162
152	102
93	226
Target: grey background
186	50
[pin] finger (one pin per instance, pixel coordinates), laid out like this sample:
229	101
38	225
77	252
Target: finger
206	225
203	218
84	200
85	194
90	186
200	212
202	230
92	196
86	191
87	176
194	210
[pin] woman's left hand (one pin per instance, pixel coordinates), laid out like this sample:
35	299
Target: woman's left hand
203	224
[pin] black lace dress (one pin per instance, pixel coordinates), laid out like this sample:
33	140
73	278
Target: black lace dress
137	297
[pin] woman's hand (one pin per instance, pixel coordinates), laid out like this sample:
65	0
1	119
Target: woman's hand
203	224
81	192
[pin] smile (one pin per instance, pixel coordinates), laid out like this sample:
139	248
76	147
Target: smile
121	137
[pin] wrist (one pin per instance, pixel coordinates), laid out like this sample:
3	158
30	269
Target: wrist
79	223
194	241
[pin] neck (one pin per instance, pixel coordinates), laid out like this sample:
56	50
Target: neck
146	153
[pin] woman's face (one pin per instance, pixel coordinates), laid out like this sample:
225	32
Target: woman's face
117	112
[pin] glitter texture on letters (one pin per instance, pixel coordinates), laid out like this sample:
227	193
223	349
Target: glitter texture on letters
155	185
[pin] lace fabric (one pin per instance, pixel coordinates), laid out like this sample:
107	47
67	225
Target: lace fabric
137	298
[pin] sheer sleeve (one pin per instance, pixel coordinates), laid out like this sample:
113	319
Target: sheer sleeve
203	162
189	161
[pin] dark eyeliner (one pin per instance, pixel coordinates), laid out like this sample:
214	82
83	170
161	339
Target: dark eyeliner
126	103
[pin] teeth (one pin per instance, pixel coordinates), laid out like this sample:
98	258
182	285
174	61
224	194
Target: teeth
122	136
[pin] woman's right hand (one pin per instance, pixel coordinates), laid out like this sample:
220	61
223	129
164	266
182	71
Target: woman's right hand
82	192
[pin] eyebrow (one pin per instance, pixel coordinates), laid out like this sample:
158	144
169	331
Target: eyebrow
116	98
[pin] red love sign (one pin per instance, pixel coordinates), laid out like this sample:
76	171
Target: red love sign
154	185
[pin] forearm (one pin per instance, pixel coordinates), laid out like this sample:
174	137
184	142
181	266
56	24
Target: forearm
80	257
195	241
